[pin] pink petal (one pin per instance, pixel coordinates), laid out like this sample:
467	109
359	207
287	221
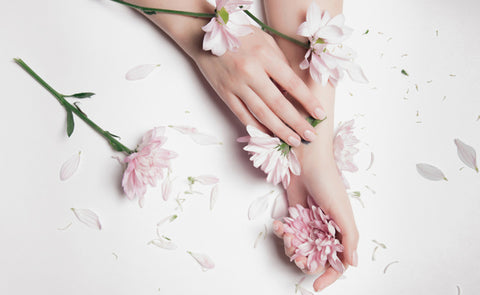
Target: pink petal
213	196
430	172
259	206
207	179
280	206
166	188
205	262
87	217
466	154
70	166
163	243
139	72
204	139
184	129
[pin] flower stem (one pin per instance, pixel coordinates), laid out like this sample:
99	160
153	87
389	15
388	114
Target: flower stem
149	10
70	108
272	30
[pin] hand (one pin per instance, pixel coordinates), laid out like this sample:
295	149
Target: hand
321	180
245	81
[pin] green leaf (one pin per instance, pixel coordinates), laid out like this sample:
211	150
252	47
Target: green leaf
82	95
404	72
314	122
366	32
79	109
149	12
224	15
113	135
70	123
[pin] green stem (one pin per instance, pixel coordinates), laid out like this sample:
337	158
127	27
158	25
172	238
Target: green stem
180	12
68	107
272	30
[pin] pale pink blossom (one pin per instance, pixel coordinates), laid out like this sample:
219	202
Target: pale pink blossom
145	166
329	58
229	23
345	148
314	236
273	156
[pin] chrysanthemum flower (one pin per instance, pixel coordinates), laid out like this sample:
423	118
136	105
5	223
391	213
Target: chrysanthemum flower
314	237
146	165
228	24
273	156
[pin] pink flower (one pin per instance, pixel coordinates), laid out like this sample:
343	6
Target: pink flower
228	24
344	149
313	236
146	165
329	57
273	156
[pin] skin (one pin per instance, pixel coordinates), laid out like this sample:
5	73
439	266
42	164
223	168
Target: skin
243	80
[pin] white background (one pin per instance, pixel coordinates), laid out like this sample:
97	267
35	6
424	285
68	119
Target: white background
430	228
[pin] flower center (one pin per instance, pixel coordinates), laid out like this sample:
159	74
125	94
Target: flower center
223	13
284	148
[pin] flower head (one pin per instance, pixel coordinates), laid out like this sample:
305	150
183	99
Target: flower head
273	156
146	165
344	148
314	236
229	23
329	57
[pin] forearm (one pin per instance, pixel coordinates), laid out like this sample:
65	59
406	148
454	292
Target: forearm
286	16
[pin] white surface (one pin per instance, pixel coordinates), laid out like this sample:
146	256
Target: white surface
431	228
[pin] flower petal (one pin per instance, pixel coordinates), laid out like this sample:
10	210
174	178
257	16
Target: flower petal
213	196
259	206
140	72
87	217
166	188
184	129
207	179
280	206
164	243
466	154
304	291
205	262
70	166
204	139
430	172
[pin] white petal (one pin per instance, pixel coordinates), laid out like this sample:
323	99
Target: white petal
205	262
87	217
166	188
304	291
213	196
356	73
430	172
207	179
163	221
70	166
164	243
280	206
466	154
184	129
259	206
372	158
204	139
140	72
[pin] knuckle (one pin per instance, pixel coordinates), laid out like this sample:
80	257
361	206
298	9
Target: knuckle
292	83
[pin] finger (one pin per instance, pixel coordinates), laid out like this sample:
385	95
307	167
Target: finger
278	228
239	109
263	114
282	107
283	74
287	242
301	262
326	279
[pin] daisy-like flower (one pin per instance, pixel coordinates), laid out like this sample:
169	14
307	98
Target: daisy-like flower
329	57
344	149
146	165
314	236
273	156
229	23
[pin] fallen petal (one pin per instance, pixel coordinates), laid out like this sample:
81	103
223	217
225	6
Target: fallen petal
207	179
466	154
184	129
205	262
164	243
213	197
204	139
166	188
259	206
70	166
304	291
280	206
139	72
87	217
430	172
372	158
163	221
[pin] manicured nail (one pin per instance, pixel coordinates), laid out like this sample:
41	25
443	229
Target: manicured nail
294	141
300	264
319	113
309	135
287	241
355	258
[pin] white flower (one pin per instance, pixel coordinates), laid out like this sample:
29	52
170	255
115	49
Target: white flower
344	149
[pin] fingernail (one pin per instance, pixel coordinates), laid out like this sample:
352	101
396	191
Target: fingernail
319	113
300	264
309	135
355	258
287	241
275	227
294	141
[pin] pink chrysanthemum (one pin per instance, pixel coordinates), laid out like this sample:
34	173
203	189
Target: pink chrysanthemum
146	165
273	156
314	236
344	149
228	24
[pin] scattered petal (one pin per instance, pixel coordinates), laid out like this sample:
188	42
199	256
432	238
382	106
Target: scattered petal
388	265
207	179
204	139
205	262
280	206
372	158
380	244
259	206
164	243
70	166
466	154
170	218
374	251
166	188
430	172
87	217
213	197
140	72
304	291
65	227
459	291
259	237
115	255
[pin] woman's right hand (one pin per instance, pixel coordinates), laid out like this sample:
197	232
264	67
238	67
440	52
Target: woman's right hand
246	81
